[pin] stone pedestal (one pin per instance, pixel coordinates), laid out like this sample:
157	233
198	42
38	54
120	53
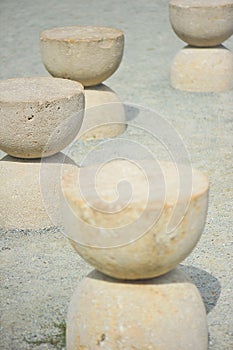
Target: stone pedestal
203	69
104	114
30	192
162	313
205	66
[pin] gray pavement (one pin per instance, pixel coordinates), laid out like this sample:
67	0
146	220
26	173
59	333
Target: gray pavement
39	269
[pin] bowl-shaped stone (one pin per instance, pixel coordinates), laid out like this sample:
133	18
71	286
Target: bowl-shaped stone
39	116
135	235
202	23
88	54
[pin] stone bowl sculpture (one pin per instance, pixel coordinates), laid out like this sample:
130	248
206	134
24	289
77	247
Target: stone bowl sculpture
202	23
133	222
86	54
39	116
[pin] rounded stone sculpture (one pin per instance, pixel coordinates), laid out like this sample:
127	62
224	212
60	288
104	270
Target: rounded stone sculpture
202	23
24	204
166	313
203	69
39	116
86	54
139	234
104	114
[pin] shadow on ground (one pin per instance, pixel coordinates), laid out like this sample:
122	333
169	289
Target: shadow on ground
208	285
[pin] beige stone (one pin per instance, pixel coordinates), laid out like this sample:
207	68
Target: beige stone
2	154
39	116
203	69
166	313
104	114
202	22
24	204
86	54
140	232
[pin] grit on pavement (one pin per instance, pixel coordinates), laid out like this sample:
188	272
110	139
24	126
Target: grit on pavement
39	269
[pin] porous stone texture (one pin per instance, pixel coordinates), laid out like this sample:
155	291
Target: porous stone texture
162	313
104	114
202	23
39	116
39	269
203	69
23	202
139	234
86	54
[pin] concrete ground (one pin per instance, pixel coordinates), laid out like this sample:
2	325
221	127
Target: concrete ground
39	269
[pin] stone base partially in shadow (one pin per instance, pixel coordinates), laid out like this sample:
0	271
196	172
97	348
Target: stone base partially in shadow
104	114
161	313
30	191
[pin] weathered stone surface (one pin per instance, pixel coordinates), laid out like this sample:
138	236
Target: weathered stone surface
23	203
39	116
202	22
88	54
104	114
165	313
203	69
135	235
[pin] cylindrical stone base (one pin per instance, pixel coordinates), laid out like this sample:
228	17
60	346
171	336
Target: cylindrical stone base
30	192
165	313
203	69
104	114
